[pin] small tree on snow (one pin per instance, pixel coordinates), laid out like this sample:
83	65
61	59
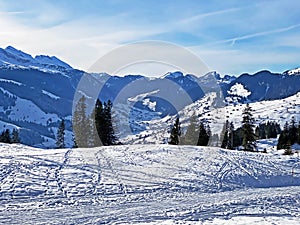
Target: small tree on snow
191	135
5	136
249	138
15	136
175	133
204	135
60	139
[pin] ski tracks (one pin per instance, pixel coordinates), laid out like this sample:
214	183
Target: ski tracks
58	173
106	160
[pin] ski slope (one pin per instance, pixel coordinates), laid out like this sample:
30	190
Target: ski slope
147	184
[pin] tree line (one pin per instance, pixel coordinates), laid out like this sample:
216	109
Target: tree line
91	130
244	136
9	137
195	134
289	136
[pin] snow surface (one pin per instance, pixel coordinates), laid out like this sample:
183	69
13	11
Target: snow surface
26	110
147	184
11	81
51	95
293	71
239	90
149	104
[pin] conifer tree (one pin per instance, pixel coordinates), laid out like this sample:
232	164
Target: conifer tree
225	135
15	136
228	139
5	136
60	137
109	137
204	135
103	128
284	137
175	133
81	123
249	137
231	136
99	123
237	137
293	131
74	142
298	133
191	135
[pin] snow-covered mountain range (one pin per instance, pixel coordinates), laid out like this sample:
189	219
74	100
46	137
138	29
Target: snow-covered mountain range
37	92
15	57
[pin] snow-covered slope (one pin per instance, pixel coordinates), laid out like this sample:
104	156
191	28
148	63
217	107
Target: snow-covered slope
295	71
158	130
14	57
146	184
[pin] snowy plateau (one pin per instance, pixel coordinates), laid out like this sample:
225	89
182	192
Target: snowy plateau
147	184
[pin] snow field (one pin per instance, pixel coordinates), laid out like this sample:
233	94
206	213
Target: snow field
150	184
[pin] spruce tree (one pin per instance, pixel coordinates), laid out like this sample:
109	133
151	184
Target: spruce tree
228	132
249	143
175	133
99	123
298	133
103	130
293	131
237	137
109	137
60	137
204	135
284	139
2	137
15	136
191	135
74	141
225	135
81	123
5	136
230	144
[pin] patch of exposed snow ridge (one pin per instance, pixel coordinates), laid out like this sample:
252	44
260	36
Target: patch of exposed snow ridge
239	90
51	95
293	72
151	105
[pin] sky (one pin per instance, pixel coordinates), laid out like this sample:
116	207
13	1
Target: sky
230	37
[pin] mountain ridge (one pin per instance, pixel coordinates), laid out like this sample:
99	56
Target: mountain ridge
48	86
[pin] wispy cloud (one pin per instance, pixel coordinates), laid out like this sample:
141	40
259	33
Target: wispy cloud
259	34
198	17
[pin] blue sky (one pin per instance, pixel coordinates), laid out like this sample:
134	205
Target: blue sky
231	37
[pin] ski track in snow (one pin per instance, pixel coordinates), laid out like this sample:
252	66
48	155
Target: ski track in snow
147	184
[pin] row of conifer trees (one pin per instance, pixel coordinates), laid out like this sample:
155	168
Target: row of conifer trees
95	129
245	136
10	137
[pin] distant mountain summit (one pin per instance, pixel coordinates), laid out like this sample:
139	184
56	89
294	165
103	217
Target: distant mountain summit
15	57
295	71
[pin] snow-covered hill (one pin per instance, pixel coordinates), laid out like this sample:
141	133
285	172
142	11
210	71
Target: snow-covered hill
155	184
158	130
